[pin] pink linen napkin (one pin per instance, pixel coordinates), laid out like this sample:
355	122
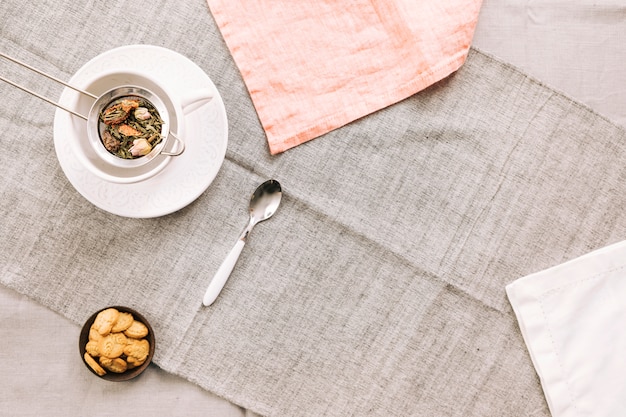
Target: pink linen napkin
314	66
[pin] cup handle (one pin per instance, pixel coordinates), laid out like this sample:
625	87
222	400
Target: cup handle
193	101
180	148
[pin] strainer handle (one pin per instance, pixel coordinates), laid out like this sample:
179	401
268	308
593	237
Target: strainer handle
179	149
39	96
25	65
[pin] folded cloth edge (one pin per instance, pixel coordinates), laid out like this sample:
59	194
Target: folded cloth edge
526	291
282	142
279	144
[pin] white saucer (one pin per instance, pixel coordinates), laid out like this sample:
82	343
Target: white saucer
186	176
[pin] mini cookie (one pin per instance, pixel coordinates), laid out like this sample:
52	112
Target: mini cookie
123	322
112	345
137	349
94	335
92	348
105	320
94	365
116	365
137	330
134	362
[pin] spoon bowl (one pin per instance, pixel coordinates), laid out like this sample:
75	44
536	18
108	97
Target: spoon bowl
263	204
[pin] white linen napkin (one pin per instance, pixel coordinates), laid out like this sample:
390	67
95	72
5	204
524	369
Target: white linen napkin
573	320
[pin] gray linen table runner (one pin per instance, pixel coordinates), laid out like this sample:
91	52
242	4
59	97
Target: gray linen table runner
378	287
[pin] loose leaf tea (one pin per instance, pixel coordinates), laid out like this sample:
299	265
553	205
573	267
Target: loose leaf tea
132	127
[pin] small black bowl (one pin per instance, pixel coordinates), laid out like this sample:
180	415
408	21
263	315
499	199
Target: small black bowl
131	373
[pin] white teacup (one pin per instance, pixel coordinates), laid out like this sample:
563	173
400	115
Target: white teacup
172	108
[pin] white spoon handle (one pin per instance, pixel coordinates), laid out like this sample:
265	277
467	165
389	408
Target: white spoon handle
222	274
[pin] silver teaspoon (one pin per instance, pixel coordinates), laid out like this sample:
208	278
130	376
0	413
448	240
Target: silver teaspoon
263	205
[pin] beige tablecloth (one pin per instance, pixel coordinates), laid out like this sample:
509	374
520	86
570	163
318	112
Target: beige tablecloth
572	46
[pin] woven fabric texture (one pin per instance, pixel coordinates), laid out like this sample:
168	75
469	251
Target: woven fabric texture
312	66
378	287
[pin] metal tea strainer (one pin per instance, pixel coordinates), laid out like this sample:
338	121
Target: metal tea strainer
100	103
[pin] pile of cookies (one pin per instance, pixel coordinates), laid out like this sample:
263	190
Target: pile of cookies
118	342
